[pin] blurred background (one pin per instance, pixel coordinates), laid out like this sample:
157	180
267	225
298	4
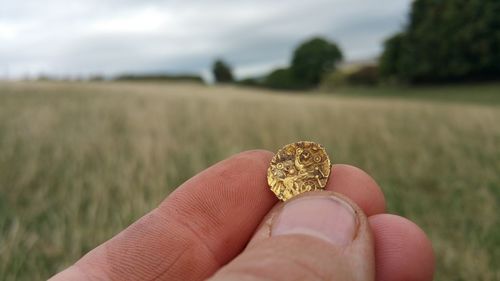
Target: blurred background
107	106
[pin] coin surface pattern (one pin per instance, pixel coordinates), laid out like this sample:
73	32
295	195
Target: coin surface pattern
297	168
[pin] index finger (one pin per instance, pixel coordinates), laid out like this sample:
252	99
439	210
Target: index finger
201	226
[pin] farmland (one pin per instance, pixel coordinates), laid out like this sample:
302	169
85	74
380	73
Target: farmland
81	161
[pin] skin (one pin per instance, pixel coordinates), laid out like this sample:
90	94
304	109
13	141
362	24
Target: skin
217	224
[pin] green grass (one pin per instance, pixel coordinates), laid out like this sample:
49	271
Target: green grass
80	161
472	93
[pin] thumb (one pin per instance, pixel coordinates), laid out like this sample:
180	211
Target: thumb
315	236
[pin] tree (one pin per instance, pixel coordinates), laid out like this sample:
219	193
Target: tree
222	72
446	40
390	59
312	59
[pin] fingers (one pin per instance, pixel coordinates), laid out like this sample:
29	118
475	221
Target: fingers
207	221
358	186
403	251
314	236
202	225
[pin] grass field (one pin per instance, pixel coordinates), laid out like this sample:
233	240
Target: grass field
80	161
472	93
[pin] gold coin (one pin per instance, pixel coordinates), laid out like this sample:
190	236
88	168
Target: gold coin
297	168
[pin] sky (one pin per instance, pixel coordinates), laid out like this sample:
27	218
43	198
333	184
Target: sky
111	37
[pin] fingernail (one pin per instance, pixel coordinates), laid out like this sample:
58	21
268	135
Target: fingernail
325	217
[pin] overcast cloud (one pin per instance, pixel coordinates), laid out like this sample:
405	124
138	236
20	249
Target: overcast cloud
109	37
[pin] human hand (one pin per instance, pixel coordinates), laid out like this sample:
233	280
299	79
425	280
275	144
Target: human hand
224	223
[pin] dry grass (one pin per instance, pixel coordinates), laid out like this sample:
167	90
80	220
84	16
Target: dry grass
79	162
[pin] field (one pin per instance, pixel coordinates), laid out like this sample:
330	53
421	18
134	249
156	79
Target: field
80	161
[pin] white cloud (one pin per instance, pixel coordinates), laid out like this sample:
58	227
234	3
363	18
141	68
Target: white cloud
145	21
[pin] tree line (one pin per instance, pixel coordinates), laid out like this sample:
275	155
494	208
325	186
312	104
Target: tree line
444	41
310	61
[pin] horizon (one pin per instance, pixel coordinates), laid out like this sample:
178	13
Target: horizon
109	39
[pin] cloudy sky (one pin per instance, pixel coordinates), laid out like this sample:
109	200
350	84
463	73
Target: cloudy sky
84	37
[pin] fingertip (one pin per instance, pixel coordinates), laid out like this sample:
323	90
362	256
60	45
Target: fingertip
244	168
359	187
402	249
260	157
238	179
215	213
70	273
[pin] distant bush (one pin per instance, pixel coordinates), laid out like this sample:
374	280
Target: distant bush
46	77
283	78
160	77
96	78
446	41
252	82
222	72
